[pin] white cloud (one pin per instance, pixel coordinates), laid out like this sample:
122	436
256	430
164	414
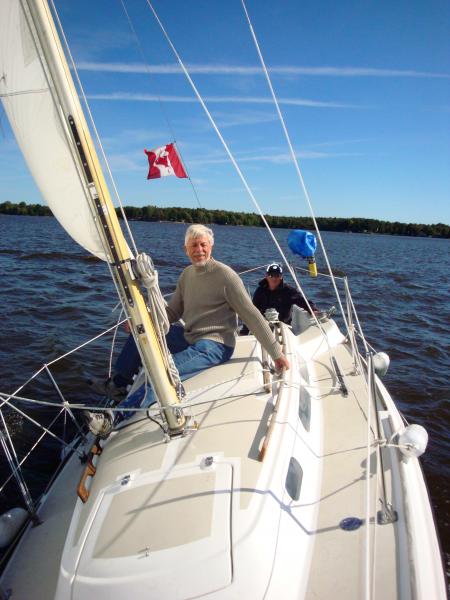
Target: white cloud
271	157
125	162
218	69
253	117
134	136
133	97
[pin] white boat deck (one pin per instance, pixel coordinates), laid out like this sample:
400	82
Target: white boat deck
338	567
163	523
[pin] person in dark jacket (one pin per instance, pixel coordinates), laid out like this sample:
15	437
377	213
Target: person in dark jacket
272	292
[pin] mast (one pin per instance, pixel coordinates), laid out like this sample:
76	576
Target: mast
111	236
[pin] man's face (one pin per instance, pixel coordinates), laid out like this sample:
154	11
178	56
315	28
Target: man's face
199	250
273	281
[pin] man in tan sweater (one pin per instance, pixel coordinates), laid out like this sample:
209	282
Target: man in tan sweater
208	297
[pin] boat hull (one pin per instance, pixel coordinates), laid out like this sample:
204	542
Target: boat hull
203	516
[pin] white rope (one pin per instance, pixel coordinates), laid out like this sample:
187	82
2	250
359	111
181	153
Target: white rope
161	104
149	279
7	397
157	304
225	145
319	274
17	471
113	343
96	337
19	464
294	158
238	170
28	418
360	331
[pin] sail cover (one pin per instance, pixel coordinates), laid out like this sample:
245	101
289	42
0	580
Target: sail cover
39	125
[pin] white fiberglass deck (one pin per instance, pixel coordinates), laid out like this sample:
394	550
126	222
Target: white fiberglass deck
163	523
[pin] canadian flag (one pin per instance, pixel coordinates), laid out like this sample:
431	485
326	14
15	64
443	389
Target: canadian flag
164	161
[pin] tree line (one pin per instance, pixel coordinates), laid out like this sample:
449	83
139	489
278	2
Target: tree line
225	217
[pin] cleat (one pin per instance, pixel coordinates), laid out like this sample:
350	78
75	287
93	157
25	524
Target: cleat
99	423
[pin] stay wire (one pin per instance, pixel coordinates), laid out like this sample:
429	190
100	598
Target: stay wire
294	158
233	160
241	176
94	128
161	104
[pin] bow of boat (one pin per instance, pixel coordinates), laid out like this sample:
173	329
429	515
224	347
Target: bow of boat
204	516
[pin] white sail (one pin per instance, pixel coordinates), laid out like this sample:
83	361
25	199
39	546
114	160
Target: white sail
41	131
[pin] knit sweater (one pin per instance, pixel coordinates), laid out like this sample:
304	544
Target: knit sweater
207	299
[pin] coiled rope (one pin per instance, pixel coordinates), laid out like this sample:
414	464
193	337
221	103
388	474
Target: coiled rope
148	277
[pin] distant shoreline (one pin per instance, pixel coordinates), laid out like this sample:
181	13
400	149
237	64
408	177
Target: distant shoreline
223	217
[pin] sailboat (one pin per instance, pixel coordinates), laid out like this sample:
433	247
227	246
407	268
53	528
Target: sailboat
251	483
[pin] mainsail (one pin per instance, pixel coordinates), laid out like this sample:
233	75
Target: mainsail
31	102
42	105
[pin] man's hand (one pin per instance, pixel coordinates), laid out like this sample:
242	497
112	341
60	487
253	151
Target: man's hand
281	363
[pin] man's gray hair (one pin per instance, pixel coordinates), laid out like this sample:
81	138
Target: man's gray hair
196	231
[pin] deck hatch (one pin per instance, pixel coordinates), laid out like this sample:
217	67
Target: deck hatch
141	532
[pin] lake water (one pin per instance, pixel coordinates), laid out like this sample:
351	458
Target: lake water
54	297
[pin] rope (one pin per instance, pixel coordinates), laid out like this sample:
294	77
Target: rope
13	460
239	172
319	274
113	343
157	304
294	158
31	450
94	128
65	404
56	437
161	104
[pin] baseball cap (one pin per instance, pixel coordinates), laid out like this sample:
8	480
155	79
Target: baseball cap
274	269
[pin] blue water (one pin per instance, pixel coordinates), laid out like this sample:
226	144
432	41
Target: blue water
54	297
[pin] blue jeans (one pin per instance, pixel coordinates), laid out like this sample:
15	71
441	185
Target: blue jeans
188	358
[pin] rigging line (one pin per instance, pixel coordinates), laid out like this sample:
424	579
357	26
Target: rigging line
65	404
294	158
96	337
7	397
319	274
113	343
251	270
36	443
23	92
236	166
83	95
49	78
13	458
367	553
38	425
161	104
17	472
360	331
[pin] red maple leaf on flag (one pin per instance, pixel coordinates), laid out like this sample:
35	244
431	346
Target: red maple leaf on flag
164	161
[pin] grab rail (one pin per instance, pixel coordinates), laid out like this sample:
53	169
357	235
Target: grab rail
265	445
89	471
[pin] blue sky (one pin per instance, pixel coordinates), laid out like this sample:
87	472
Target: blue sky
364	88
